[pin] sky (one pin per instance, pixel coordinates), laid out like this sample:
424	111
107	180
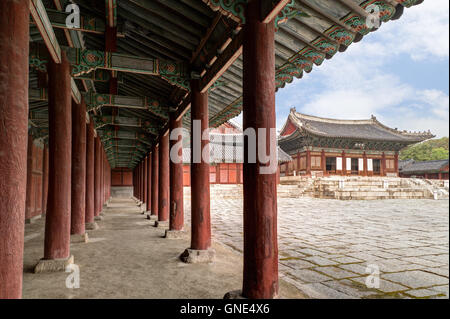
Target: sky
400	74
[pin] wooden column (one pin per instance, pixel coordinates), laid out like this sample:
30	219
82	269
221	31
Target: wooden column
57	222
14	37
90	172
45	180
145	165
155	180
97	177
308	163
323	161
200	201
344	164
383	164
396	163
149	183
29	202
176	179
365	164
77	226
164	181
260	278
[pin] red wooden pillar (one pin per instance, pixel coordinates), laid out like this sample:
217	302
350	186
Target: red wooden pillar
45	181
144	170
149	183
57	226
176	179
29	210
396	163
141	182
14	34
200	188
260	278
323	161
164	182
90	179
365	164
138	183
308	163
383	164
155	180
344	164
77	226
97	178
102	175
200	250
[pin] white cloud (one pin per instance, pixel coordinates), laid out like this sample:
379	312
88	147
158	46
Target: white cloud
423	31
358	83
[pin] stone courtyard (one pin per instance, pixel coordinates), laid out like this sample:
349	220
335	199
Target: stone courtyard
328	248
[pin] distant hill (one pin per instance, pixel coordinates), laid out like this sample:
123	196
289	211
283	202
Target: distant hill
436	149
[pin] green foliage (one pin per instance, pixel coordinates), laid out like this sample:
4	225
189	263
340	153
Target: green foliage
436	149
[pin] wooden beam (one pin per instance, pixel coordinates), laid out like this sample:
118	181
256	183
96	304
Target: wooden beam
44	26
270	11
223	62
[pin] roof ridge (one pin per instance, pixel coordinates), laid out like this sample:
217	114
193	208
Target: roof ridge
330	120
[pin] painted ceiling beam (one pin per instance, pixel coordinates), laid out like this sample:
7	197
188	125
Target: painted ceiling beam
105	120
223	62
111	13
87	24
40	17
97	100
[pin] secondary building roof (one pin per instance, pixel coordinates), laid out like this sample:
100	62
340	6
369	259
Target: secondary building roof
429	167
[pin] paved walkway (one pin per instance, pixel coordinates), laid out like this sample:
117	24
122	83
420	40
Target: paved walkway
328	248
128	258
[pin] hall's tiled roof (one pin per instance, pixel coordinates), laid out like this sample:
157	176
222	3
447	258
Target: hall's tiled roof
370	129
411	166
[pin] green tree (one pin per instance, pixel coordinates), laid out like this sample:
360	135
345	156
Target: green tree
436	149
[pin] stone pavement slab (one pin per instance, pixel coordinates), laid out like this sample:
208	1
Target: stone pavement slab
408	240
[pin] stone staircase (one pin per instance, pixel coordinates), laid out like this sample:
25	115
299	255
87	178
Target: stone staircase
343	188
372	188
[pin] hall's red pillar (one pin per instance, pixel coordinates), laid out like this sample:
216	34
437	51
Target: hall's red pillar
164	181
57	221
14	43
260	278
149	184
176	223
97	179
200	250
45	181
90	179
155	181
77	226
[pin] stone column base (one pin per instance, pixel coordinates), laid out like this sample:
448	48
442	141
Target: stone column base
98	218
192	256
152	217
53	265
32	219
235	294
77	238
162	223
175	234
91	226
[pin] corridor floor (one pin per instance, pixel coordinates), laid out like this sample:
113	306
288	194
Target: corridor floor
128	258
